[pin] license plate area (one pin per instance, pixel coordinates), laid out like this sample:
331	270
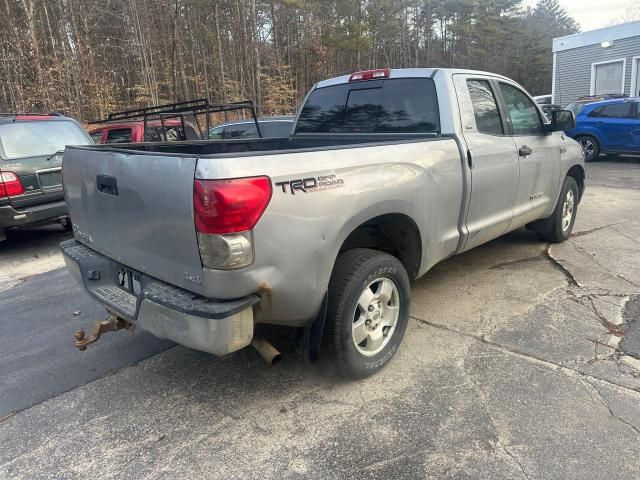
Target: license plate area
50	179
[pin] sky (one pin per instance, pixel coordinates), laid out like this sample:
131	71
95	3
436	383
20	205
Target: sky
591	14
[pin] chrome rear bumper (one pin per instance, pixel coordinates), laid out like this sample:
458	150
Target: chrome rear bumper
166	311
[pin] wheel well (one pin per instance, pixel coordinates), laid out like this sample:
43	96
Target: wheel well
394	233
577	172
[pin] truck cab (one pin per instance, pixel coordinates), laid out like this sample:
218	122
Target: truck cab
134	132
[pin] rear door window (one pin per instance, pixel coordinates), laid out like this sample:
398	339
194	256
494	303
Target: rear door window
485	108
240	130
403	105
613	110
119	135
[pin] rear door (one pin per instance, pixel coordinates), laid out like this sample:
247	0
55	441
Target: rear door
492	158
635	129
615	122
136	208
538	155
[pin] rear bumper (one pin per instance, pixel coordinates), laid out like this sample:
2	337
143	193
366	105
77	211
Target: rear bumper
46	212
213	326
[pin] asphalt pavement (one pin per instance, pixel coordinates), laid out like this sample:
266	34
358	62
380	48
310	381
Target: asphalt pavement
37	356
522	360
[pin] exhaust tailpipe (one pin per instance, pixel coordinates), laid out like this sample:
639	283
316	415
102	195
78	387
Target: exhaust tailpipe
266	350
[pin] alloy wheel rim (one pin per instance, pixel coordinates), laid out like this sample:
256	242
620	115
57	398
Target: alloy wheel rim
376	316
587	147
567	210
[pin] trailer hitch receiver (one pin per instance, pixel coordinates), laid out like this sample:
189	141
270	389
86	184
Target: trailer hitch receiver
112	323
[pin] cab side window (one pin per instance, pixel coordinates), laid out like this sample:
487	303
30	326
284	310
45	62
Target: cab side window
214	133
485	108
97	136
613	110
525	118
119	135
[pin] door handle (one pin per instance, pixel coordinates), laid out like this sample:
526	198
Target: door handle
107	184
524	151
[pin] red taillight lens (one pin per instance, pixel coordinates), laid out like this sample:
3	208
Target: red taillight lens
10	185
228	206
370	75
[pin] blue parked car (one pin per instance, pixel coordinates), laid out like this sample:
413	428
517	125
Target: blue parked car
608	126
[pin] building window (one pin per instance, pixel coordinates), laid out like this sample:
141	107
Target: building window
608	77
635	77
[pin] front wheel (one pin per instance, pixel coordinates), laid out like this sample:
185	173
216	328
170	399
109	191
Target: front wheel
368	311
590	147
564	215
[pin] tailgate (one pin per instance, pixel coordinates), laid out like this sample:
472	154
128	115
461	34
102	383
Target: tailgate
136	208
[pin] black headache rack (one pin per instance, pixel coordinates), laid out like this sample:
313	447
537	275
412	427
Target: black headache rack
179	110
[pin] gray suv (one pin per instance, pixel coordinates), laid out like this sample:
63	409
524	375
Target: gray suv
270	127
31	147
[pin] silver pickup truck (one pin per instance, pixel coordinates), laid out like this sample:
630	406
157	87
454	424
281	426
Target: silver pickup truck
385	173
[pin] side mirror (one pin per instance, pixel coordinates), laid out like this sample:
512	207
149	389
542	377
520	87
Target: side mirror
562	120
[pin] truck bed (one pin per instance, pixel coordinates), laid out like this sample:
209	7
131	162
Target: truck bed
267	146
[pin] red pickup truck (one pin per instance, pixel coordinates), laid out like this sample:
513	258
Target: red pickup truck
134	132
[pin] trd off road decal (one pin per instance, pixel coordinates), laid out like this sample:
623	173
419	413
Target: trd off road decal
310	184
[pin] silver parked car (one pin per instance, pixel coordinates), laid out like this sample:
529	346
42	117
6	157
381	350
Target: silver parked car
270	127
387	173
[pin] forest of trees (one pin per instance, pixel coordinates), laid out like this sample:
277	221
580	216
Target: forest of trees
89	57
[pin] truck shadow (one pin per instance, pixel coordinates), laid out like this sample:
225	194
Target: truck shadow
516	250
35	238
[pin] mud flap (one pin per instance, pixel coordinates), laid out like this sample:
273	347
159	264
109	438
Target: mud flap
309	339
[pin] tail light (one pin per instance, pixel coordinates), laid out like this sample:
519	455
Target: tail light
225	212
10	185
370	75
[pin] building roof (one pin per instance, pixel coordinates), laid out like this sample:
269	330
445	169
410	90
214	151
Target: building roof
594	37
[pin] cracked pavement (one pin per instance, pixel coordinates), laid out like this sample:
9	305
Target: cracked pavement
521	361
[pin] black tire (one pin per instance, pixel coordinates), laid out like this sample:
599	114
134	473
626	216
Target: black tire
353	272
66	224
590	147
556	233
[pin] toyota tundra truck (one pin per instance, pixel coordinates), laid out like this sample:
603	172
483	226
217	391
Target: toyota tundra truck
386	173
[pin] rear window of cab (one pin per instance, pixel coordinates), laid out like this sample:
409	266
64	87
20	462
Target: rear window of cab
402	105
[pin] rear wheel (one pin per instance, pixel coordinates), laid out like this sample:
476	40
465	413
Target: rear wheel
590	147
368	311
